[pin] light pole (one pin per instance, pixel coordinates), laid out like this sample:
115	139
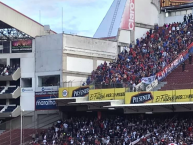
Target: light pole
21	131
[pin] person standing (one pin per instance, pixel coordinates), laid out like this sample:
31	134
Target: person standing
190	16
185	18
183	66
190	59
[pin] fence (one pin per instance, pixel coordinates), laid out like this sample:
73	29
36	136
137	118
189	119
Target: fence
96	85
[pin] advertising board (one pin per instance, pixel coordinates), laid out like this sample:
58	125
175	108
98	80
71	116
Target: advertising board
181	1
42	104
128	18
159	96
74	92
21	46
107	94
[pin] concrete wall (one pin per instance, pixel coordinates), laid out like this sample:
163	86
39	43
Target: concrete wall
28	71
49	53
27	64
79	64
81	55
145	12
139	32
48	57
175	16
89	46
32	120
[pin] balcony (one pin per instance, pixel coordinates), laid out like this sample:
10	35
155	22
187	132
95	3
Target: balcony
14	76
10	111
10	92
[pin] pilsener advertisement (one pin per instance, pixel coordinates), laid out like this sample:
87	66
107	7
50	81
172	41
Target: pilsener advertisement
159	96
74	92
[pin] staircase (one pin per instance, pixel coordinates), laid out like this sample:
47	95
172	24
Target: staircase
178	79
159	86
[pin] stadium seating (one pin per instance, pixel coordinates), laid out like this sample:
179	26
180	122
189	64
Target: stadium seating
1	89
10	90
1	107
180	80
10	108
155	50
121	129
8	70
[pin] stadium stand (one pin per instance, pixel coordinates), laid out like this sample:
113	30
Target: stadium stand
152	52
10	90
184	81
1	89
8	70
120	129
10	108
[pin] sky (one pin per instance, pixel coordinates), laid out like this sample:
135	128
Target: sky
81	17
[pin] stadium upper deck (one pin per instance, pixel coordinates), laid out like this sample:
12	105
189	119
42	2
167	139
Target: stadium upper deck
18	24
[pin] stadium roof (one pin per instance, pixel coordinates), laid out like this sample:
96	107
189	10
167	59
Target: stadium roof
110	24
128	108
11	19
155	107
77	101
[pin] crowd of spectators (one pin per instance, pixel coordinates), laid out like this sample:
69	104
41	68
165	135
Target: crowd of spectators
8	70
160	129
152	52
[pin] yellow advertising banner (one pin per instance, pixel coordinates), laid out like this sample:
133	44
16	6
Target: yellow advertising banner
107	94
73	92
181	1
159	96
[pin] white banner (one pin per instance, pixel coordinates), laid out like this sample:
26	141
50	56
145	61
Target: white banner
152	85
148	80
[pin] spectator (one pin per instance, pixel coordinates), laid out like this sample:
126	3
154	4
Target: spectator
155	50
8	70
190	16
183	66
190	59
185	18
122	129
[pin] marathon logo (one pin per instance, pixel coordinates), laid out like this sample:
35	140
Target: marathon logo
45	103
141	98
80	92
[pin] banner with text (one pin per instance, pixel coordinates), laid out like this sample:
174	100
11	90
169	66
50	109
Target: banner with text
159	96
42	104
181	1
181	58
152	85
74	92
20	46
128	17
148	80
107	94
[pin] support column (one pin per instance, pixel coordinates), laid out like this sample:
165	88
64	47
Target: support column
8	61
94	63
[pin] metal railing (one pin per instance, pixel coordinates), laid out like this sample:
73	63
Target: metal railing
97	85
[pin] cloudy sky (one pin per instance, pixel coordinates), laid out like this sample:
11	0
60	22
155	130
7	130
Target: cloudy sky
80	17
